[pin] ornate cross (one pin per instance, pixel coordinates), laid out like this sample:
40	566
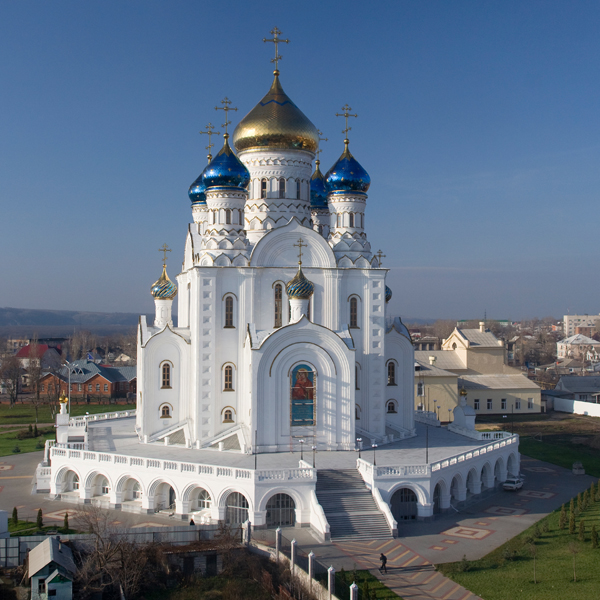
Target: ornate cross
276	40
210	132
346	114
300	245
226	102
164	250
318	152
379	256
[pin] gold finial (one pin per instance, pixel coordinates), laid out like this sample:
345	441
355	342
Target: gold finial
318	152
300	245
210	132
379	256
164	250
276	40
346	114
226	102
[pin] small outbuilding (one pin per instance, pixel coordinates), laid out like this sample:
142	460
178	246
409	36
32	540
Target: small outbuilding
51	571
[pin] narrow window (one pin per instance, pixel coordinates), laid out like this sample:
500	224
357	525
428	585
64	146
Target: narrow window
228	416
476	404
229	312
420	388
308	311
339	220
79	387
263	188
75	482
391	373
228	382
517	405
89	387
356	379
278	305
354	313
357	413
391	407
282	188
297	189
166	375
97	387
228	216
106	387
489	404
529	403
351	219
503	404
165	412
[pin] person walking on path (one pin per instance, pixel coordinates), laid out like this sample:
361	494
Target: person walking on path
383	567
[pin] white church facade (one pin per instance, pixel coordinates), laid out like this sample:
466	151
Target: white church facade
282	351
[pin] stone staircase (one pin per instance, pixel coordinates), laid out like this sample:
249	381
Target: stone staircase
349	506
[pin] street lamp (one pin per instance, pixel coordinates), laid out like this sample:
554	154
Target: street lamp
359	440
314	449
302	449
438	411
449	411
374	446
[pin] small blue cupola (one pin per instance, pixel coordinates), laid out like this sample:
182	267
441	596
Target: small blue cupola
318	189
347	175
225	170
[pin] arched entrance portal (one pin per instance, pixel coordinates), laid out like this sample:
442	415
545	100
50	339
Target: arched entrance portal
281	511
236	511
437	499
403	505
165	497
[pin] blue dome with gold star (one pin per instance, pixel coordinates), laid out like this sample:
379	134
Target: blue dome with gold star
197	191
388	294
299	287
164	288
318	189
347	175
226	170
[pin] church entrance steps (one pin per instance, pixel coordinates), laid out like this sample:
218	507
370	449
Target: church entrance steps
351	511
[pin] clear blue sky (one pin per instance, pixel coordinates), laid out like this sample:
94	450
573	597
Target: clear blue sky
478	123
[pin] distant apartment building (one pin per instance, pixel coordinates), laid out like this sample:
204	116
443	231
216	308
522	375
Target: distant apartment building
571	322
578	346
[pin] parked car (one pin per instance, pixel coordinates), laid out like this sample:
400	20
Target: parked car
513	484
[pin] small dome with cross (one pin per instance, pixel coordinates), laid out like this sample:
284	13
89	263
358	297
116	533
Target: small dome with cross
226	170
347	175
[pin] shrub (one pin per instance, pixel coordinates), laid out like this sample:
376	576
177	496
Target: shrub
16	449
36	433
546	525
15	516
30	429
66	523
562	521
594	536
39	445
40	520
581	535
537	532
463	565
571	523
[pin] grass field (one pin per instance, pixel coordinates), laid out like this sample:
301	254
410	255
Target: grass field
367	584
26	528
507	572
25	413
8	441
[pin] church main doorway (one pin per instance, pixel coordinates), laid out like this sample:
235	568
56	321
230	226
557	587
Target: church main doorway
404	505
281	511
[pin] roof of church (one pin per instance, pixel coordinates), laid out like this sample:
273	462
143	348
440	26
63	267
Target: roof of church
347	175
498	382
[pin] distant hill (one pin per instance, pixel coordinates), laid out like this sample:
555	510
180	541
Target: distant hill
26	321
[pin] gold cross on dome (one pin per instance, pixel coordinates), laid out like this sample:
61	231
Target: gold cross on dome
164	250
276	40
210	132
300	245
226	102
318	152
346	114
379	256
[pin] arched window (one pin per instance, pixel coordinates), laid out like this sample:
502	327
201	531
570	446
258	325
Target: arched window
263	188
166	375
351	220
204	499
228	416
228	379
165	411
278	305
420	388
320	229
228	216
454	346
136	491
356	412
297	189
356	377
391	407
354	313
391	372
308	309
229	312
236	511
282	187
75	482
339	220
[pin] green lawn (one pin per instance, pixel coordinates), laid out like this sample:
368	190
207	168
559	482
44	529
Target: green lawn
25	413
26	528
507	572
365	581
9	440
563	454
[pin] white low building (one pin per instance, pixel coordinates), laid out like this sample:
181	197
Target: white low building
283	347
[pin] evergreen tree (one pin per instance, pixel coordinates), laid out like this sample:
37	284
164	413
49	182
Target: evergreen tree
579	502
30	429
15	516
572	506
594	492
40	520
594	536
66	523
36	433
582	530
586	500
562	521
571	523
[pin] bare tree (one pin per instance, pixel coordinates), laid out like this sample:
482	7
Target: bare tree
35	372
10	373
574	549
443	329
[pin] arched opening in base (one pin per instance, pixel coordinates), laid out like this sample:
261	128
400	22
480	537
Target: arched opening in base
281	511
403	505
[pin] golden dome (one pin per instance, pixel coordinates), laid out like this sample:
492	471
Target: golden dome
276	122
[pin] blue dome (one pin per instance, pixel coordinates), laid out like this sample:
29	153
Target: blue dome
164	288
299	287
226	170
388	294
318	189
197	191
347	175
